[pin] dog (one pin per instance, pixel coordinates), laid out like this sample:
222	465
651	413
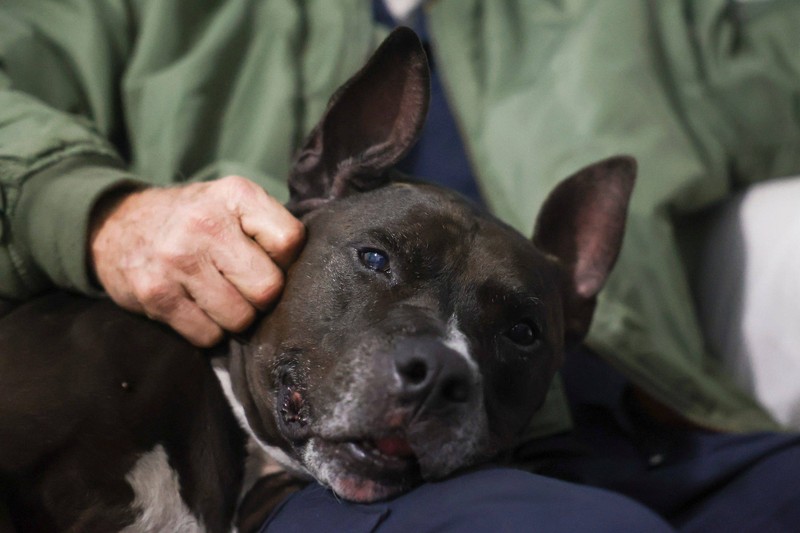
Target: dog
415	337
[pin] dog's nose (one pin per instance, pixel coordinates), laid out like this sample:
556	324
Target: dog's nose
431	374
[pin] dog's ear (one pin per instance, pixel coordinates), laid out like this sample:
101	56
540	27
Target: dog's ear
581	224
370	123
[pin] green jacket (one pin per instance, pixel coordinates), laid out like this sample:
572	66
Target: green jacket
96	95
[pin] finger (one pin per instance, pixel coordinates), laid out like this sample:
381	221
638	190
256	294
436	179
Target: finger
219	299
186	317
273	227
250	270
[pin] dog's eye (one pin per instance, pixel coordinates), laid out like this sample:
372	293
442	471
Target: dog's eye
523	333
375	260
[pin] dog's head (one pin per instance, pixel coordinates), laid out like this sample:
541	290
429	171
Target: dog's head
417	334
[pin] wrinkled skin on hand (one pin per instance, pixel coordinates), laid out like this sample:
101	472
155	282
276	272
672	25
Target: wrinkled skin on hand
202	257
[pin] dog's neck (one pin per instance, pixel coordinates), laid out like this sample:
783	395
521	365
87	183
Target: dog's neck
262	458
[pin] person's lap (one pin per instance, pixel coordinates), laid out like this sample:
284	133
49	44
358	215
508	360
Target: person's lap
764	497
489	500
698	480
735	483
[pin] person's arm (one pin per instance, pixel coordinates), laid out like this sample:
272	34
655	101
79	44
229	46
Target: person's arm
58	66
201	257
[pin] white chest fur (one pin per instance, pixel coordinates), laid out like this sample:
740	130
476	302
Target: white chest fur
158	502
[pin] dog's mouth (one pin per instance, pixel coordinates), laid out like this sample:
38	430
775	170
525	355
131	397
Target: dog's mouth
385	455
368	446
364	469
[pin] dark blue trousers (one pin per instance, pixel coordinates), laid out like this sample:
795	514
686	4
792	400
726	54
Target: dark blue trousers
491	500
697	480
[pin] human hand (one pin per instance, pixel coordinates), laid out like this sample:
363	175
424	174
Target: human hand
201	257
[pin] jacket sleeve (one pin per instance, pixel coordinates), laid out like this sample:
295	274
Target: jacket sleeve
60	66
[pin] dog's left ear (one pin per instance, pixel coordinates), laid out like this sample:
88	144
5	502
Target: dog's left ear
581	224
370	123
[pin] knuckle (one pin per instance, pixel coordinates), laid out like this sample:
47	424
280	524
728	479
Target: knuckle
237	187
176	257
148	290
158	297
200	222
235	193
186	263
234	181
290	237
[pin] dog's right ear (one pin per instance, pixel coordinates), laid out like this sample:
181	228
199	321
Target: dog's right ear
370	123
581	225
